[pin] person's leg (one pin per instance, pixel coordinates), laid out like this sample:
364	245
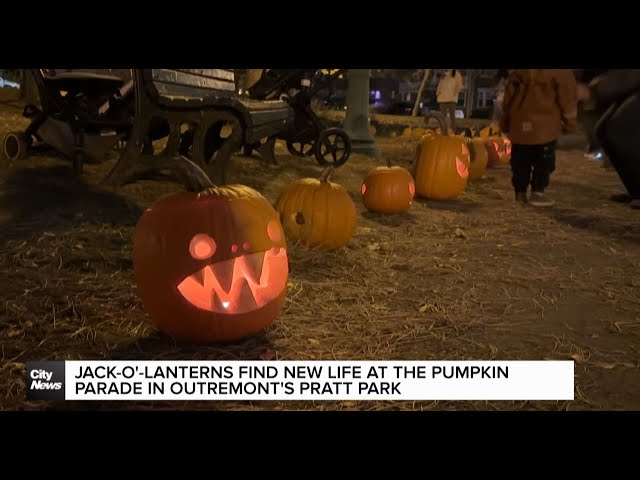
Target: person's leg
452	114
617	133
544	164
444	110
520	170
589	119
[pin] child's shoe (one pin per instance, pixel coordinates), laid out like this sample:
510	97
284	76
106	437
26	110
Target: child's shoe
538	199
521	197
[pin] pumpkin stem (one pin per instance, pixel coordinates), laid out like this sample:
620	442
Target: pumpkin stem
388	162
191	175
326	175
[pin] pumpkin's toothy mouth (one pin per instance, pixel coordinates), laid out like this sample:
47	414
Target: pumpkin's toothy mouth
238	285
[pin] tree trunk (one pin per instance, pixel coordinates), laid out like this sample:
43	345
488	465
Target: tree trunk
28	88
423	84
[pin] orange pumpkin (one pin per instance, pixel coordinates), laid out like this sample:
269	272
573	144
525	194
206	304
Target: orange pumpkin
317	212
497	150
479	158
388	190
211	266
442	167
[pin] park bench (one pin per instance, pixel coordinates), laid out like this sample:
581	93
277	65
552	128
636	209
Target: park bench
203	117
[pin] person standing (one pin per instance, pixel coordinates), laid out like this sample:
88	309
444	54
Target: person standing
447	95
501	81
590	115
617	94
539	106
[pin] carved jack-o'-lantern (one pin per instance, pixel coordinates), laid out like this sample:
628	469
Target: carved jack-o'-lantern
317	212
211	266
388	190
442	167
498	150
479	158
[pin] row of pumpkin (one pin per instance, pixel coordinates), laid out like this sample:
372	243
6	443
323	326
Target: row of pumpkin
212	266
320	213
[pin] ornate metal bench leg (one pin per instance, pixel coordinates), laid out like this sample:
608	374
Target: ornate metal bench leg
267	150
229	145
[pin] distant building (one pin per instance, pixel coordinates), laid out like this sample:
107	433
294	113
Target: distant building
394	95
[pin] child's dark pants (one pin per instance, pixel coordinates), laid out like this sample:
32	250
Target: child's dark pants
532	165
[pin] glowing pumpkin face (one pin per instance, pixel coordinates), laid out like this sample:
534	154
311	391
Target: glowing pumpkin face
213	266
442	167
388	190
498	150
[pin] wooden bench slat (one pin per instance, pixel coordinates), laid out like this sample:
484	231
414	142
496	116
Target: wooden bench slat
219	73
200	85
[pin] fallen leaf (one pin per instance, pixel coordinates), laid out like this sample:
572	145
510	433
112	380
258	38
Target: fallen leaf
578	357
374	247
459	233
314	341
423	308
13	333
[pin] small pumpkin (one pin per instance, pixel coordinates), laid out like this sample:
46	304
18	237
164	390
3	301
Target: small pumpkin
497	150
317	212
479	158
442	167
388	189
419	132
211	264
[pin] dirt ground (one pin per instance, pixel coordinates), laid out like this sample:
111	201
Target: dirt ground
475	278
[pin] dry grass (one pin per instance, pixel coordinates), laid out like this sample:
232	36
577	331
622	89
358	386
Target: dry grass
474	278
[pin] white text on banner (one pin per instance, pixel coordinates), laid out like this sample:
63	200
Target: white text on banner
319	380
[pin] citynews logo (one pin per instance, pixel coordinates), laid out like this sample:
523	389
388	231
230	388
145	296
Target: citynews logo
45	381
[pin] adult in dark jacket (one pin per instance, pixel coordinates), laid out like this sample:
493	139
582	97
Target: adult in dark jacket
617	93
590	114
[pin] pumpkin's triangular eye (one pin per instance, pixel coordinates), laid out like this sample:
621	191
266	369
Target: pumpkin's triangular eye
363	189
202	246
495	145
465	150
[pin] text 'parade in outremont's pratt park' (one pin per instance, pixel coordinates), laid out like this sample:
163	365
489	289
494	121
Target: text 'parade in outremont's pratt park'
301	380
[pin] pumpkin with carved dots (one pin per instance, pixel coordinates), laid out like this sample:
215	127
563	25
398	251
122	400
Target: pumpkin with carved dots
211	266
441	167
317	212
388	189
